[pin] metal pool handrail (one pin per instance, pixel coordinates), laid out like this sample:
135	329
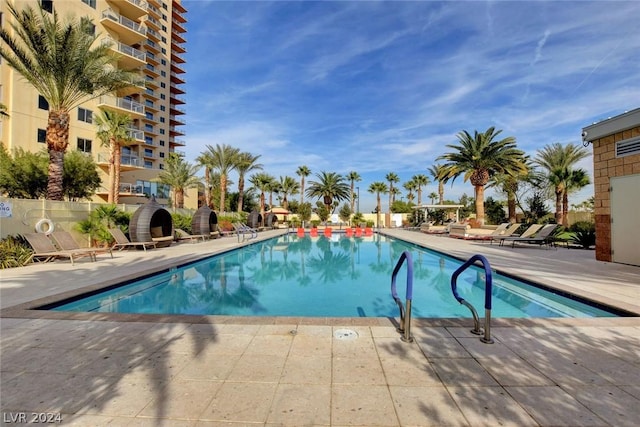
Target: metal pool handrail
405	317
487	297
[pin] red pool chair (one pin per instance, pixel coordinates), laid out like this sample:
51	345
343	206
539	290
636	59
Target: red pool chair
314	232
368	231
358	232
300	232
348	231
327	232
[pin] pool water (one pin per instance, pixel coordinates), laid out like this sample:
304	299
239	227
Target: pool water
326	277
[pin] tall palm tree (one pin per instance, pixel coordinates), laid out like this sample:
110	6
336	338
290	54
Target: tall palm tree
420	181
558	161
330	186
578	178
378	188
246	162
433	196
180	175
410	186
223	159
353	177
288	186
63	62
478	158
114	131
262	182
435	171
509	184
392	178
302	172
205	160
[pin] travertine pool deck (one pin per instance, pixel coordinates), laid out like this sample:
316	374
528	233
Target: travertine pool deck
136	370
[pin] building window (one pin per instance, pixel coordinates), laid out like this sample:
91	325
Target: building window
164	50
163	61
161	131
162	120
163	108
148	103
47	5
148	164
162	155
148	127
149	116
84	145
162	143
42	136
85	115
162	167
163	73
148	140
91	3
163	96
92	30
42	103
164	39
163	85
164	16
164	6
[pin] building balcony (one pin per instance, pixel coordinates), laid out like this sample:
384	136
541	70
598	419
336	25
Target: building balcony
178	48
151	46
175	131
152	71
121	104
128	31
176	58
152	22
133	9
176	110
136	134
177	38
128	57
150	82
174	121
178	26
178	152
127	162
175	78
175	99
173	89
153	34
177	142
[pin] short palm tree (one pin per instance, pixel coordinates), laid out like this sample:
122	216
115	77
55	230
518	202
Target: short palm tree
205	160
478	158
180	175
114	131
378	188
261	182
223	159
329	187
246	162
433	196
410	186
577	179
558	162
435	171
353	177
392	178
420	181
288	186
302	172
63	62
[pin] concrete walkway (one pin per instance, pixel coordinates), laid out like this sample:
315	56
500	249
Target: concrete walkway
136	370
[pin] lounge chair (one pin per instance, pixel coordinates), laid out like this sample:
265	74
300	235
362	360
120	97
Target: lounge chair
506	233
529	232
122	242
66	242
245	231
44	250
488	236
542	236
182	235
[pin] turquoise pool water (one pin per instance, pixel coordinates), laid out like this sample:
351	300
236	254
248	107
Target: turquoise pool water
325	277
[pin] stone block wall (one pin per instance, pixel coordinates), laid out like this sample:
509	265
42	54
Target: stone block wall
606	166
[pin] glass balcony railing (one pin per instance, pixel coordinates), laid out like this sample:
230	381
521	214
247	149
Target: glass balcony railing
110	14
136	134
125	104
126	159
126	50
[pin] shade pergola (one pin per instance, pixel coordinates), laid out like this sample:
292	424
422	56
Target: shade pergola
437	207
278	211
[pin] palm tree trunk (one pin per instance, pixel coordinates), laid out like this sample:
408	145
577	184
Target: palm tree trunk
179	203
112	171
207	183
511	207
262	204
116	174
378	212
352	199
565	209
223	191
419	195
302	190
559	205
440	192
57	141
240	193
480	204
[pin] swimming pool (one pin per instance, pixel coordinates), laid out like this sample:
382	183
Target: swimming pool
324	277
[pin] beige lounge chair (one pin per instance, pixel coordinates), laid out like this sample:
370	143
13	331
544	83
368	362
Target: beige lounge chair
182	235
122	241
507	233
529	232
541	237
488	236
66	242
44	250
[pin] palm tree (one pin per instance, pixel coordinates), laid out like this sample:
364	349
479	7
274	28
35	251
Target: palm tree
378	188
392	178
577	179
433	196
510	184
330	186
274	187
288	186
63	62
180	175
114	131
420	180
246	162
558	161
223	159
478	158
435	171
302	172
205	160
410	186
261	182
353	177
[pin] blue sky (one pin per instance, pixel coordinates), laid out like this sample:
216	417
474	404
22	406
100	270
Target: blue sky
379	87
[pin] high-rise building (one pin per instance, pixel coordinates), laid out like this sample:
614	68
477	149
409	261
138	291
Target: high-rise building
146	35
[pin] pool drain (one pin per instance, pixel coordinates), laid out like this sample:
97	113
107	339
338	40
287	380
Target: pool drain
345	334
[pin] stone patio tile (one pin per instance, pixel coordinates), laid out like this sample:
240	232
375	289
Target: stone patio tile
208	367
281	329
83	420
161	365
306	370
155	422
565	370
127	397
311	345
490	406
632	390
610	403
270	345
258	367
393	347
462	372
183	399
362	346
612	368
480	350
552	406
409	371
362	405
314	330
231	345
435	347
431	332
241	402
426	406
301	405
514	371
351	370
234	329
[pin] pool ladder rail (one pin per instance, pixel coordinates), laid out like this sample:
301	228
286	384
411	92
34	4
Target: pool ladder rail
405	310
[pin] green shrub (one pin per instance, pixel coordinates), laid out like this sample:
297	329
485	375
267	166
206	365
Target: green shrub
14	252
182	221
584	238
583	226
